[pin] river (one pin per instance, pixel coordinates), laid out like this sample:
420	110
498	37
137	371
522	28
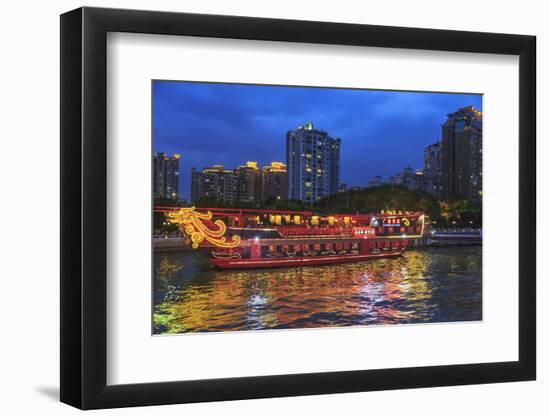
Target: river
423	286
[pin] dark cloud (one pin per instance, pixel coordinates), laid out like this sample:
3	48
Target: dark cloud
381	131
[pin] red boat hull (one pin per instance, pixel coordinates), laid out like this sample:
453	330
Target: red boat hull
237	263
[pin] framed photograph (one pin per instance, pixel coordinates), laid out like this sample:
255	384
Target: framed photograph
258	208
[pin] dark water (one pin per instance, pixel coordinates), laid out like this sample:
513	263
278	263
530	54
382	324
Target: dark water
423	286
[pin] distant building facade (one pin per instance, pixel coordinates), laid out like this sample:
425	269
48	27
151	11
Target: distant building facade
196	184
432	169
166	171
406	178
377	181
431	183
274	182
246	184
247	178
413	179
313	164
432	157
214	182
461	155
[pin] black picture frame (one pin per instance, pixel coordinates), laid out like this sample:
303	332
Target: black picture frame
84	207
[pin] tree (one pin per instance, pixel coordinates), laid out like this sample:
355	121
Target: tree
461	213
374	199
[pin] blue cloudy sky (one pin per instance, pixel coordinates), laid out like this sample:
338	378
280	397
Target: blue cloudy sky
229	124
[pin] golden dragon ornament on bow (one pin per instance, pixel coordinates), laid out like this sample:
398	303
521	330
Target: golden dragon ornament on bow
191	223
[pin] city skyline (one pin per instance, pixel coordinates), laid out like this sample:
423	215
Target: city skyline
382	131
245	184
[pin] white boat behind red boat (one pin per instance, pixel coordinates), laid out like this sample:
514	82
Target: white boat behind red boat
455	238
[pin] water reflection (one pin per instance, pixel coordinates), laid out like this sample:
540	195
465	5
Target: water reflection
434	285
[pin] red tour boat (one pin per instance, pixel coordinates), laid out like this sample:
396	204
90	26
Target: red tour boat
250	239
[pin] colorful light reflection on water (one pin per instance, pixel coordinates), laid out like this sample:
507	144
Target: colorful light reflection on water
423	286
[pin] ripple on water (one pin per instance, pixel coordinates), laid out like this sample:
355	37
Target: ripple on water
433	285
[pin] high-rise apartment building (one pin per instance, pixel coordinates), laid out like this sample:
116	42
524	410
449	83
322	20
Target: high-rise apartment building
313	164
246	184
166	171
214	182
432	169
274	183
196	184
461	155
248	180
432	157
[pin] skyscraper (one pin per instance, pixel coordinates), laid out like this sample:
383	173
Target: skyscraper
214	182
432	157
245	184
274	182
432	168
247	178
166	171
196	184
313	164
461	155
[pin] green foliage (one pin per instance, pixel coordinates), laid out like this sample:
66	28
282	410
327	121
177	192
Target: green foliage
290	205
169	202
210	202
374	199
160	223
461	213
270	204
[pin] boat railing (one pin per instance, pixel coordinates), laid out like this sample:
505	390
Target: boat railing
314	231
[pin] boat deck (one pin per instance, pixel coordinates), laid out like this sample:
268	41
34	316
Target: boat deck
238	263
